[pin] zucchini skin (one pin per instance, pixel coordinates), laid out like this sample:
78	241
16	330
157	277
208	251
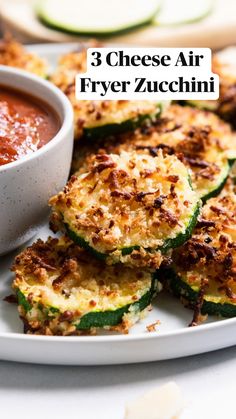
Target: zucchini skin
119	128
182	237
169	243
217	190
83	243
181	289
22	301
100	34
100	319
114	317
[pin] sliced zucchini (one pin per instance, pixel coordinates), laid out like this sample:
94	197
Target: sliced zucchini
96	18
97	119
179	12
214	302
203	142
62	290
123	117
206	264
128	207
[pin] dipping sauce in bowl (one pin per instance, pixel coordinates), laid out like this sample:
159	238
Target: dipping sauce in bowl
26	124
36	144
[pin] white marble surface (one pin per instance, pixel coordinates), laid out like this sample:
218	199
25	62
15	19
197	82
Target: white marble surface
43	392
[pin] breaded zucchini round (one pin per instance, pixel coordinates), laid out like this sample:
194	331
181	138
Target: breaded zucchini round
205	266
13	54
200	139
96	119
61	290
128	207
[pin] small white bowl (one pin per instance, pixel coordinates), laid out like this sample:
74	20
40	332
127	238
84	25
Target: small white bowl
28	183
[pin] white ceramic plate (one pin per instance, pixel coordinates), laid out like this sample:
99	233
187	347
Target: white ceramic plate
172	338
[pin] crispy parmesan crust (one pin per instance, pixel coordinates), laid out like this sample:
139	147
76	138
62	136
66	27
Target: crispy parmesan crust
207	262
13	54
199	138
58	284
226	104
94	114
125	207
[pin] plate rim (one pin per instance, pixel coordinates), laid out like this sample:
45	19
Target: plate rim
129	337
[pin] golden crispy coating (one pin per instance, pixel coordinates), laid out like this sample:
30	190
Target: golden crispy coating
91	114
210	255
225	106
125	201
14	54
199	138
58	283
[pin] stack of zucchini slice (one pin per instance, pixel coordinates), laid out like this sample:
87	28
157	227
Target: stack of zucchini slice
149	206
122	218
204	269
199	138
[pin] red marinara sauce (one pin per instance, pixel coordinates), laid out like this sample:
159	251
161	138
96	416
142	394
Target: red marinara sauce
26	124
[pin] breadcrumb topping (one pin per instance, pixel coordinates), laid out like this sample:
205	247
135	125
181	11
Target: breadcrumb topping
14	54
225	106
200	140
208	259
127	201
90	114
61	283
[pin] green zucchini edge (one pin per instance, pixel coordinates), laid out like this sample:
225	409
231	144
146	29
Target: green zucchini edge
120	128
99	319
214	192
114	317
98	34
182	237
169	243
181	289
199	18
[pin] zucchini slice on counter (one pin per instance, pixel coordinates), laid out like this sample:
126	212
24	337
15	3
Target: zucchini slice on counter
61	290
200	139
129	207
101	118
179	12
96	18
205	266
